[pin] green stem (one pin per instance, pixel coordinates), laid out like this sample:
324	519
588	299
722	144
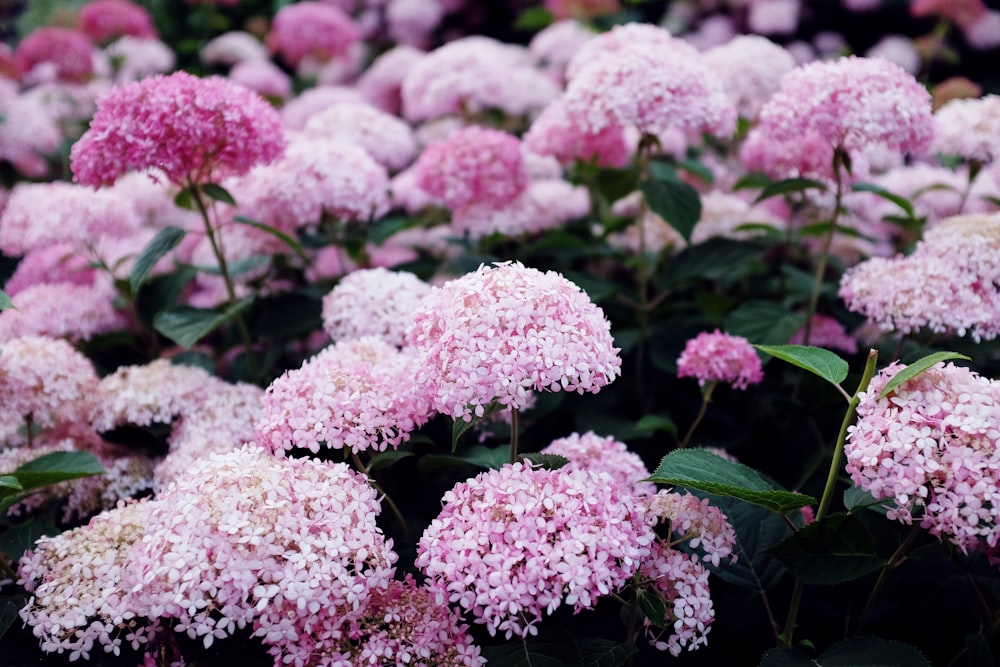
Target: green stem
385	496
513	435
706	396
831	483
29	429
241	324
632	629
894	561
838	161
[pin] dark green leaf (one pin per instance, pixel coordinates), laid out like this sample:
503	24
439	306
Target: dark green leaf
288	315
786	657
753	181
702	470
602	652
386	459
9	608
916	368
237	268
5	302
161	291
218	193
697	169
10	482
547	461
653	607
872	652
479	456
660	422
788	186
22	537
816	360
276	233
764	322
901	202
855	499
831	551
186	325
516	654
534	18
677	203
184	199
597	288
164	241
715	259
382	230
57	467
614	184
458	429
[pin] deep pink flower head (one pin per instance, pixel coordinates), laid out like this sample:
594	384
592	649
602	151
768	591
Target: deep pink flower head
513	544
590	451
192	130
473	165
720	357
962	12
67	54
933	443
855	104
319	30
105	20
358	394
373	302
507	330
282	546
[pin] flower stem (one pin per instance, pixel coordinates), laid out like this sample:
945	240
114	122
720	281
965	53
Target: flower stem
706	396
632	629
894	561
513	435
838	162
385	496
831	483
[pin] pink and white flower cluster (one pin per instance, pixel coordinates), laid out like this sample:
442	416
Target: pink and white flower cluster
720	357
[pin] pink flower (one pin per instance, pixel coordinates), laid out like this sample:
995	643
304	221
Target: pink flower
56	54
932	443
720	357
544	204
311	29
263	77
962	12
105	20
693	520
136	58
603	455
29	132
507	330
773	17
358	394
629	36
373	302
568	138
969	128
513	544
751	68
827	332
473	165
681	581
192	130
62	310
554	46
386	138
300	109
381	83
233	47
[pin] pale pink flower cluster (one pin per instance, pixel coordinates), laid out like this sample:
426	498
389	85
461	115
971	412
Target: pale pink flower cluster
193	130
826	332
969	128
592	452
310	102
751	68
386	138
45	379
682	583
933	445
62	310
233	47
553	47
544	204
106	20
56	263
317	30
722	213
504	331
357	395
475	165
263	77
135	58
557	133
28	133
39	214
381	83
78	589
373	302
948	285
289	547
720	357
513	544
693	520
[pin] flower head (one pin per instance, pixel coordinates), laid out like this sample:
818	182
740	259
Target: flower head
504	331
105	20
59	54
192	130
373	302
590	451
720	357
969	128
319	30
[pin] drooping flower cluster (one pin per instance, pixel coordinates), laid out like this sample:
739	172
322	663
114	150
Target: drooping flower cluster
373	302
590	451
720	357
506	330
513	544
358	394
932	448
193	130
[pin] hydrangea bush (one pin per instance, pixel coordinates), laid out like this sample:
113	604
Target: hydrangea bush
445	333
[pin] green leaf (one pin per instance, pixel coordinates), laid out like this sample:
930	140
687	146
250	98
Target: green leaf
9	607
697	169
816	360
287	315
595	652
516	654
218	193
5	302
276	233
677	203
715	259
859	499
547	461
57	467
9	482
534	18
164	241
22	537
186	325
460	427
382	230
755	180
901	202
386	459
764	322
786	657
238	268
916	368
614	184
788	186
184	200
653	607
702	470
659	422
831	551
872	652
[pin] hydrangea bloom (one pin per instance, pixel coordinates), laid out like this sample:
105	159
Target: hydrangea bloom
969	128
720	357
514	543
76	312
262	77
57	263
193	130
826	332
55	54
703	526
566	137
505	330
289	547
682	583
628	36
473	165
544	204
300	109
722	213
357	394
373	302
105	20
932	443
853	104
381	84
590	451
45	379
233	47
751	67
136	58
386	138
28	133
318	30
554	46
77	585
40	214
